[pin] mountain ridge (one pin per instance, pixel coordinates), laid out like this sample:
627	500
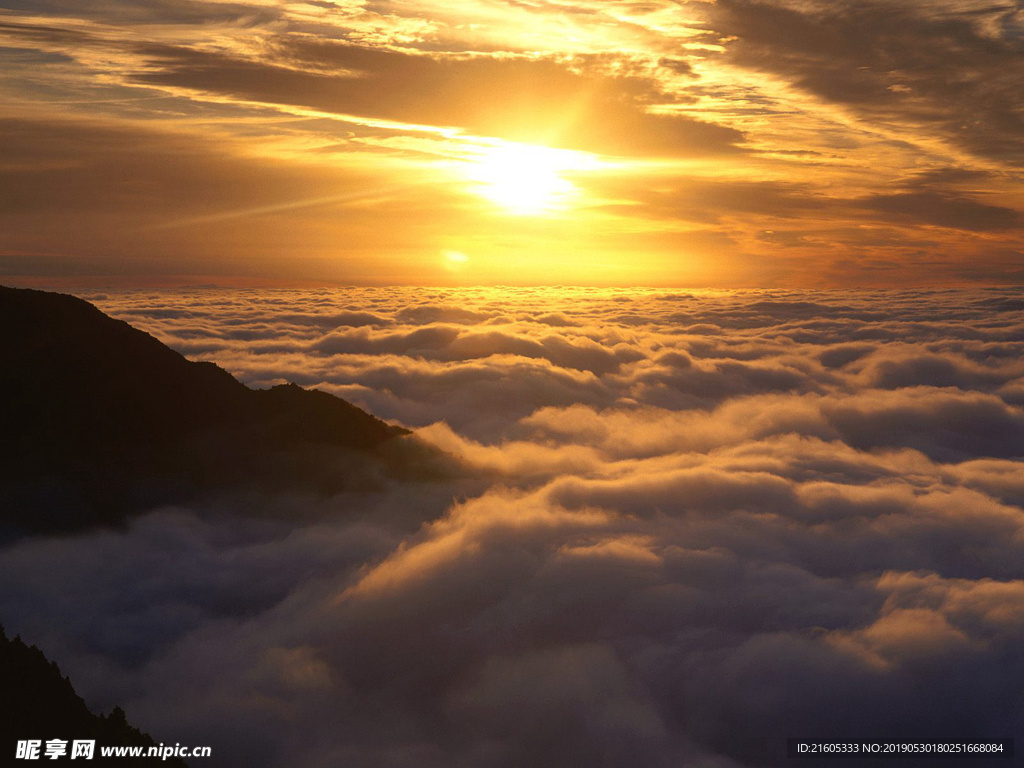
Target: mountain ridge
38	702
101	419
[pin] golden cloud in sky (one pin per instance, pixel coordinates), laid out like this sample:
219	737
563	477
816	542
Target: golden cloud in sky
728	143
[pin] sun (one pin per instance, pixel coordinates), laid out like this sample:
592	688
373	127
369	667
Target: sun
527	180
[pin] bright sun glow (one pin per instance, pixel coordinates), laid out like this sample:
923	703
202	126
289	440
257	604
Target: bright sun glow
528	180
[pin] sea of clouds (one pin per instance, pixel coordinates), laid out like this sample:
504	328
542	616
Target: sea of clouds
683	527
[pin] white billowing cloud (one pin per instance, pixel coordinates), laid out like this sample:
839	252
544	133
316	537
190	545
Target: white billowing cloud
686	527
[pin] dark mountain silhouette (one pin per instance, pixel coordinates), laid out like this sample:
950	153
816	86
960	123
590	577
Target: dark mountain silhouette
100	419
38	702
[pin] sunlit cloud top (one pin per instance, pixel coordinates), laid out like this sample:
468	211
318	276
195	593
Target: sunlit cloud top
727	143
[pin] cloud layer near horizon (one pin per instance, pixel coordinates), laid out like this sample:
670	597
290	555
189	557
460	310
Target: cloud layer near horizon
692	525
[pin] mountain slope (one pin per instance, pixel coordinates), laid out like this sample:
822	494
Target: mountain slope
38	702
100	419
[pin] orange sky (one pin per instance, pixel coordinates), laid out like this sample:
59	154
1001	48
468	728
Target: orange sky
728	143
